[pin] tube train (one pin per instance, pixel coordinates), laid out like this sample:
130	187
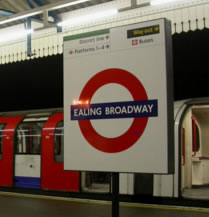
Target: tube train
31	156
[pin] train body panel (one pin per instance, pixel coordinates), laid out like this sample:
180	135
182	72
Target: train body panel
126	184
27	171
163	185
8	124
53	175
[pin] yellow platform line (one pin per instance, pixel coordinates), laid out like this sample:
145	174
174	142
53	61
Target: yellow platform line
109	203
166	207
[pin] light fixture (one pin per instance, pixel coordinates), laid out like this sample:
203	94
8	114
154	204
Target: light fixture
15	17
88	18
159	2
68	4
40	10
14	35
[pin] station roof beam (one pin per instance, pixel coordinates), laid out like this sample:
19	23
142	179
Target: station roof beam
56	18
6	12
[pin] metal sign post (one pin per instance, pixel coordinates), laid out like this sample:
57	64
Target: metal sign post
115	195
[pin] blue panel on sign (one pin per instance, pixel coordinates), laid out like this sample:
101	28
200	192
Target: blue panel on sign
27	182
130	109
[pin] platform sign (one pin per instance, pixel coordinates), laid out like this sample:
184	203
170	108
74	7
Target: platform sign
118	104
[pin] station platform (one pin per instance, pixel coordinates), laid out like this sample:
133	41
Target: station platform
22	205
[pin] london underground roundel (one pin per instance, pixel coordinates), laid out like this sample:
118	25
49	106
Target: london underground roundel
136	89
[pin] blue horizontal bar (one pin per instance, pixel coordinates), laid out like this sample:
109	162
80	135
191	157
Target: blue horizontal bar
128	109
27	182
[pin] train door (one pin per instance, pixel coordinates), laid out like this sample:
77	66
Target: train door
186	151
195	153
52	171
7	130
168	185
27	152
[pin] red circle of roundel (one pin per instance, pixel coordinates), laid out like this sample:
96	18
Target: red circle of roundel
135	131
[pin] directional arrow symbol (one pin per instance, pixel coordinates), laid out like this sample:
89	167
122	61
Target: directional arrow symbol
156	28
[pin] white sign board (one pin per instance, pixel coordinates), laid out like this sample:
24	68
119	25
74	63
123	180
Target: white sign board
118	105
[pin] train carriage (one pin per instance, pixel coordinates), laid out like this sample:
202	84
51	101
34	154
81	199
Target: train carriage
191	177
32	150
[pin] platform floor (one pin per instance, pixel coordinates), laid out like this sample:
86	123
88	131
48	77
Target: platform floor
16	205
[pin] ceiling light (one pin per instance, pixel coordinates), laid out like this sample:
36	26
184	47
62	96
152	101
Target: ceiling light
40	10
159	2
88	18
14	17
68	4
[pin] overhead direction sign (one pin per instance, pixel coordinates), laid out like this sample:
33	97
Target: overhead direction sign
117	103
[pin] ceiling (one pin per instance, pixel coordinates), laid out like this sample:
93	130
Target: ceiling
11	7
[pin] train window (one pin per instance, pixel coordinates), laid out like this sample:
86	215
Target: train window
59	142
28	137
2	126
